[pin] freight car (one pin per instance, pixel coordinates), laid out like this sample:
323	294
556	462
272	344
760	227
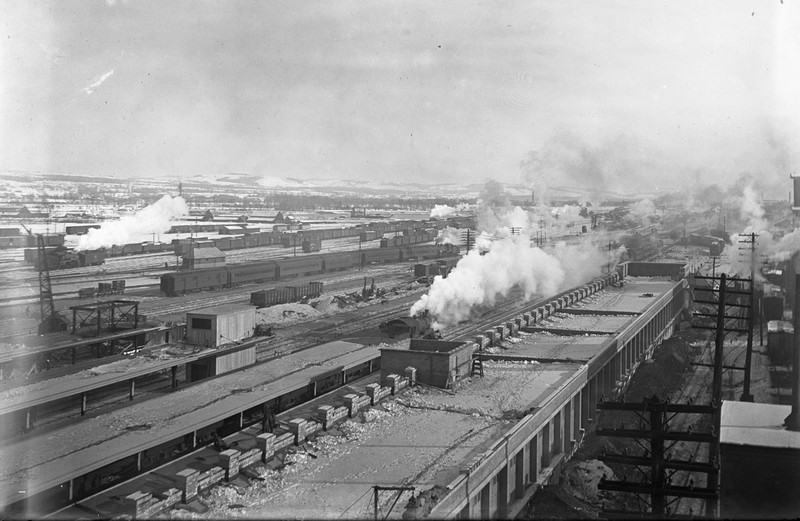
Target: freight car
250	272
380	255
92	257
59	257
286	294
197	280
194	280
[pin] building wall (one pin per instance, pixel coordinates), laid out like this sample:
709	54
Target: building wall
432	368
759	482
224	328
236	360
233	327
203	263
199	335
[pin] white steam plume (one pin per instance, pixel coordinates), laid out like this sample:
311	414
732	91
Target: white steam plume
643	210
441	211
740	255
479	279
787	246
449	235
752	211
503	258
138	227
509	261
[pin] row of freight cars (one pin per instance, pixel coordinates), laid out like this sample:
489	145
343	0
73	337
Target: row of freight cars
197	280
413	232
59	257
285	294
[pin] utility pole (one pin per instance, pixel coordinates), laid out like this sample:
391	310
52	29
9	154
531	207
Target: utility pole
746	396
654	416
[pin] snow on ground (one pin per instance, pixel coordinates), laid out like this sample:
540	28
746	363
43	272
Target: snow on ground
285	314
582	478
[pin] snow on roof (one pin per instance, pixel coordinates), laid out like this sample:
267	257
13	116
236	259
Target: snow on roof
204	253
757	424
632	297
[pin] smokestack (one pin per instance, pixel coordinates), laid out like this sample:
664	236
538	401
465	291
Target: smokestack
792	421
533	198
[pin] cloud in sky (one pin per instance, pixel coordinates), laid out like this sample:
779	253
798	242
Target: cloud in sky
453	90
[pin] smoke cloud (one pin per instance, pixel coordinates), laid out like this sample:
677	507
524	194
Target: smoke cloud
740	255
503	259
643	210
449	235
138	227
478	280
442	211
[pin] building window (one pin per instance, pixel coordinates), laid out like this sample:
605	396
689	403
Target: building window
201	323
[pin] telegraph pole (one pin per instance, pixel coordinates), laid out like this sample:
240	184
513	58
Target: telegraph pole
746	396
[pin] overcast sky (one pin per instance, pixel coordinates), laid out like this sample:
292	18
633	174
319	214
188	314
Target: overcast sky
633	93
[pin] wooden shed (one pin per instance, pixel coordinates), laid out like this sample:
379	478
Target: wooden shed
213	327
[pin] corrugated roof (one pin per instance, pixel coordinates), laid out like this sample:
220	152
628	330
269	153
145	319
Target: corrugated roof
204	253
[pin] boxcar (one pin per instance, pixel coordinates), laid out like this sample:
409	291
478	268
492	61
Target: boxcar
92	257
193	280
380	255
251	241
223	243
237	243
305	265
421	251
133	248
341	261
252	272
312	245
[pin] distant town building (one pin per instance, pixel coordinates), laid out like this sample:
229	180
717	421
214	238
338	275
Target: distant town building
23	212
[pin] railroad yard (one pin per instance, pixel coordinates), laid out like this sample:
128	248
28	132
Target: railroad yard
342	367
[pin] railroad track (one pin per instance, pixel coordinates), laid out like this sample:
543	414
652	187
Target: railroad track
697	387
